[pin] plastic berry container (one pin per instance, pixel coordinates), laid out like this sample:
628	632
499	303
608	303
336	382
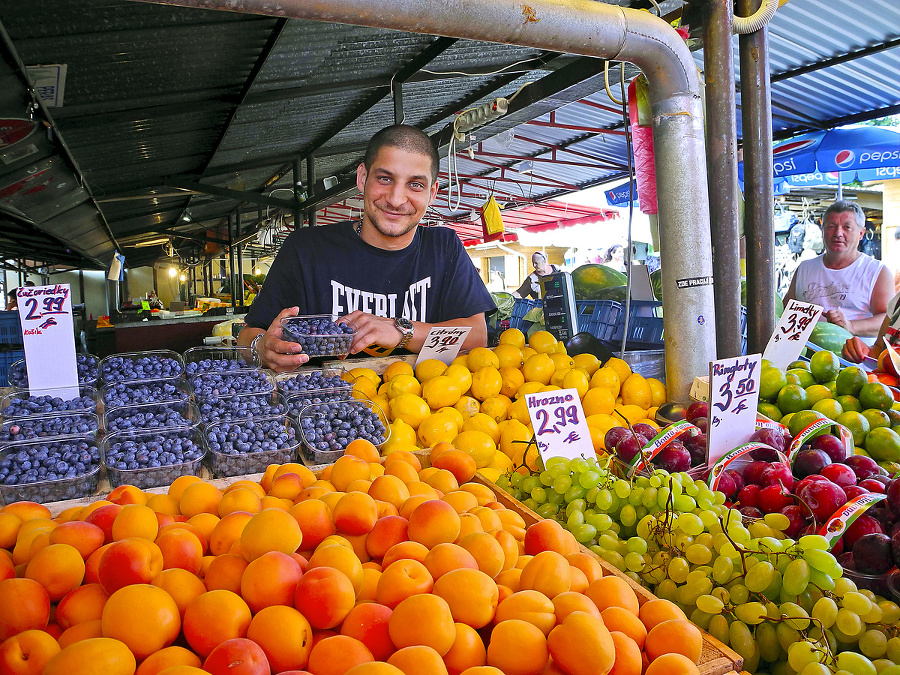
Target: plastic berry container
239	406
230	382
879	584
318	334
81	478
129	456
208	359
44	427
88	371
313	379
31	402
296	403
326	429
151	416
154	364
146	391
231	455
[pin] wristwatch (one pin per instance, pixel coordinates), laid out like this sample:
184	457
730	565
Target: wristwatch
257	362
405	326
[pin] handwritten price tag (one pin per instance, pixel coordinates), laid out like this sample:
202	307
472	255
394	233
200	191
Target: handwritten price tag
559	424
733	397
49	337
791	333
443	343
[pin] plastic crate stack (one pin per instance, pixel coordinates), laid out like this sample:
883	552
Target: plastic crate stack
244	422
11	349
605	320
521	307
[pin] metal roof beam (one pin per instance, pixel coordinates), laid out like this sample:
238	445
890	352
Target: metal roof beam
840	121
836	60
237	195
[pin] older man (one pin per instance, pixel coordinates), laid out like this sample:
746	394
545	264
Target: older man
852	287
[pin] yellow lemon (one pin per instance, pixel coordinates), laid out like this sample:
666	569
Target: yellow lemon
511	380
528	351
396	368
623	370
561	348
597	401
401	432
513	439
457	416
651	412
481	357
657	391
514	337
461	374
441	391
649	420
558	376
603	422
436	428
528	388
519	411
467	406
587	361
459	360
363	387
500	462
403	384
486	382
399	446
383	389
562	361
383	402
543	342
429	368
363	372
496	407
538	368
632	413
607	378
509	356
550	387
576	379
484	423
491	474
411	409
636	391
478	444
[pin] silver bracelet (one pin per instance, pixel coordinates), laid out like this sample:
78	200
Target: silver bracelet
257	361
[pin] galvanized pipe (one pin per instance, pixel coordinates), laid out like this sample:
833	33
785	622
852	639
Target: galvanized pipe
721	157
759	190
591	29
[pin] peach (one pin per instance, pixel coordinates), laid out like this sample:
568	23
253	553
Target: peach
27	653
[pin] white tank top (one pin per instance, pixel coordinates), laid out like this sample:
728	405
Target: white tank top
848	289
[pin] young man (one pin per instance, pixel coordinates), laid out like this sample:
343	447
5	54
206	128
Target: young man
852	287
385	276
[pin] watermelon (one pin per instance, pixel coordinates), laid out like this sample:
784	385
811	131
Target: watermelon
656	283
829	336
590	279
617	293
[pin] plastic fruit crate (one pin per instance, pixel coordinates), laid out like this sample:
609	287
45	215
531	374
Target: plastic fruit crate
521	307
10	328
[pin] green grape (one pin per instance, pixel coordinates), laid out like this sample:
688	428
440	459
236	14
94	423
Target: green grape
869	594
873	644
795	578
531	504
546	478
692	489
890	611
654	575
666	590
697	554
648	497
578	465
718	498
739	594
604	500
844	585
875	615
642	481
684	503
700	619
608	541
614	559
589	479
561	484
503	481
809	597
516	479
547	510
777	521
703	503
741	639
704	539
656	480
576	505
710	604
529	484
751	613
591	495
820	579
600	521
823	561
796	615
855	663
583	533
722	594
857	603
634	561
574	520
539	495
562	462
801	654
681	540
559	469
622	489
708	518
628	516
718	628
849	622
662	497
814	541
767	639
893	649
723	569
696	576
554	497
678	570
575	492
816	669
615	528
636	545
787	635
760	576
773	590
635	497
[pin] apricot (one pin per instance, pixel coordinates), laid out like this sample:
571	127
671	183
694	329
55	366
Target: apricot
130	561
27	652
612	591
270	530
337	654
434	522
581	645
518	648
81	604
166	658
677	636
530	606
423	619
214	617
471	595
237	656
548	573
284	635
324	596
400	580
95	655
142	616
467	650
24	605
58	567
368	623
85	537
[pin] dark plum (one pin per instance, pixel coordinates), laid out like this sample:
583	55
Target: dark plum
872	553
831	446
864	467
697	409
809	462
673	458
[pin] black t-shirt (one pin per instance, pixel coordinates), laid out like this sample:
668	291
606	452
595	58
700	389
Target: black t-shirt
331	270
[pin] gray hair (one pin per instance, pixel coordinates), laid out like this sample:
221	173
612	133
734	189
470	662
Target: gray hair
843	206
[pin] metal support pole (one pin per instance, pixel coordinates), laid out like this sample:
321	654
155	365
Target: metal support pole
311	187
231	261
397	93
759	191
239	255
298	182
721	158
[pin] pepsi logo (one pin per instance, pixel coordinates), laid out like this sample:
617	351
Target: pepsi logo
845	158
791	147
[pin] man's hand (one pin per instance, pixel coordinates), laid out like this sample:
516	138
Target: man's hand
371	330
837	317
280	355
855	350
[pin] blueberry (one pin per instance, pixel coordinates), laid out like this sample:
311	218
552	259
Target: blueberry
211	365
330	427
139	366
23	404
226	383
119	395
152	458
88	367
319	336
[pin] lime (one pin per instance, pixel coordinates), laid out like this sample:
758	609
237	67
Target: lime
792	378
765	363
769	410
792	398
806	377
828	407
786	420
771	381
883	445
850	380
876	395
824	365
849	402
893	468
832	385
803	365
817	392
877	418
800	420
856	424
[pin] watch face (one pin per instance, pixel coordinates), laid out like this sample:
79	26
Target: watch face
404	323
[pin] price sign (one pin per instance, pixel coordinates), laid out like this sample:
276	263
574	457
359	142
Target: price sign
49	337
145	305
443	343
791	333
733	397
559	424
